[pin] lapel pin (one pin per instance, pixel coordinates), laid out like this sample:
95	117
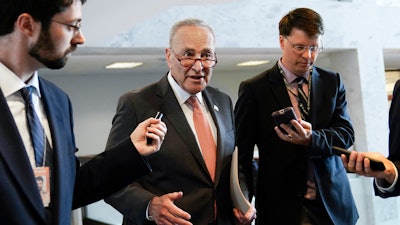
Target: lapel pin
216	108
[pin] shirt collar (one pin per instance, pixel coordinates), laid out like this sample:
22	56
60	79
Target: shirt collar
181	94
290	77
10	83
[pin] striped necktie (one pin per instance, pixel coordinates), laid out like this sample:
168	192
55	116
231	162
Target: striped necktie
35	127
302	99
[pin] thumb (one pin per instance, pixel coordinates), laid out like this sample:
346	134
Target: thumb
175	195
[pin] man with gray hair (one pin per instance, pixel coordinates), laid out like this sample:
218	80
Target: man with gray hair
189	183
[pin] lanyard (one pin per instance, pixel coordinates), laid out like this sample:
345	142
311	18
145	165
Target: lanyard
44	148
290	89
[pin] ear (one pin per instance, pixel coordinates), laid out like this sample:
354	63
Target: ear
26	24
281	41
168	57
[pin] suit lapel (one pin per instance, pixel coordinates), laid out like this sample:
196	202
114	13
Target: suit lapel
315	99
14	155
213	107
278	88
173	112
62	177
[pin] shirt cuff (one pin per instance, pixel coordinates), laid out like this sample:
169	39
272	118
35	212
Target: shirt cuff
148	217
380	183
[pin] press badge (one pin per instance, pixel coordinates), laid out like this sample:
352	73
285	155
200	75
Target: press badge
42	176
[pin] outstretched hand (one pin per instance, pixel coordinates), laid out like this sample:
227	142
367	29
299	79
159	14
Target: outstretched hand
359	163
150	128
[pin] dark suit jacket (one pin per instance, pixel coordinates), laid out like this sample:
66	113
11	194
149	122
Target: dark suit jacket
20	201
179	165
394	139
282	168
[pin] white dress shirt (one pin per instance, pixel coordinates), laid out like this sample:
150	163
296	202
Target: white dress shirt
10	85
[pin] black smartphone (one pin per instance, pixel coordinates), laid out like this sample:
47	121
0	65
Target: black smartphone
375	164
284	116
159	115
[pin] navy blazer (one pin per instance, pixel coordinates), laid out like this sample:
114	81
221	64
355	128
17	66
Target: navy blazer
74	186
179	165
281	179
394	139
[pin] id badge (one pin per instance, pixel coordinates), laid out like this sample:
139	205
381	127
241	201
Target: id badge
42	175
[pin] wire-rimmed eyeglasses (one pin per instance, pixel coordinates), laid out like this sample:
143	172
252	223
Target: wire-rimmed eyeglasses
302	48
207	61
75	27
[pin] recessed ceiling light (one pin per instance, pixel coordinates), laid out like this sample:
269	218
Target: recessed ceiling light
124	65
253	63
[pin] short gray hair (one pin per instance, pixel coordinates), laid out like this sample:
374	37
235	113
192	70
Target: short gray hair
187	22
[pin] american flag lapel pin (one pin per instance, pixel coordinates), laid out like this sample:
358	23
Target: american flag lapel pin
216	108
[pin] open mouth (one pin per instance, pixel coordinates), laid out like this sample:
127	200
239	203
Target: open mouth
196	77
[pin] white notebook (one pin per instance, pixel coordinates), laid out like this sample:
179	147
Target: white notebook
238	199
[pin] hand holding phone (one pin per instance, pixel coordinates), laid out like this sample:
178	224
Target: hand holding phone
284	116
375	164
159	115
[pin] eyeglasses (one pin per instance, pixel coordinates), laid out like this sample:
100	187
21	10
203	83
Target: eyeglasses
76	27
302	48
207	61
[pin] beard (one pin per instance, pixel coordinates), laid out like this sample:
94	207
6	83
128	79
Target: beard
44	48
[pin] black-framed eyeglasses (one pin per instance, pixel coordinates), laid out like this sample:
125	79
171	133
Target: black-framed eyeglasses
76	27
302	48
207	61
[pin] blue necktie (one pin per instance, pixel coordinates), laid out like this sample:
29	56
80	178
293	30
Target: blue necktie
35	127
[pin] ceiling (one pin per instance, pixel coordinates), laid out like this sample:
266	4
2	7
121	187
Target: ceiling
92	60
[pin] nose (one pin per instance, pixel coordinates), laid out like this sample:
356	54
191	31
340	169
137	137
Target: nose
307	53
197	65
78	38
